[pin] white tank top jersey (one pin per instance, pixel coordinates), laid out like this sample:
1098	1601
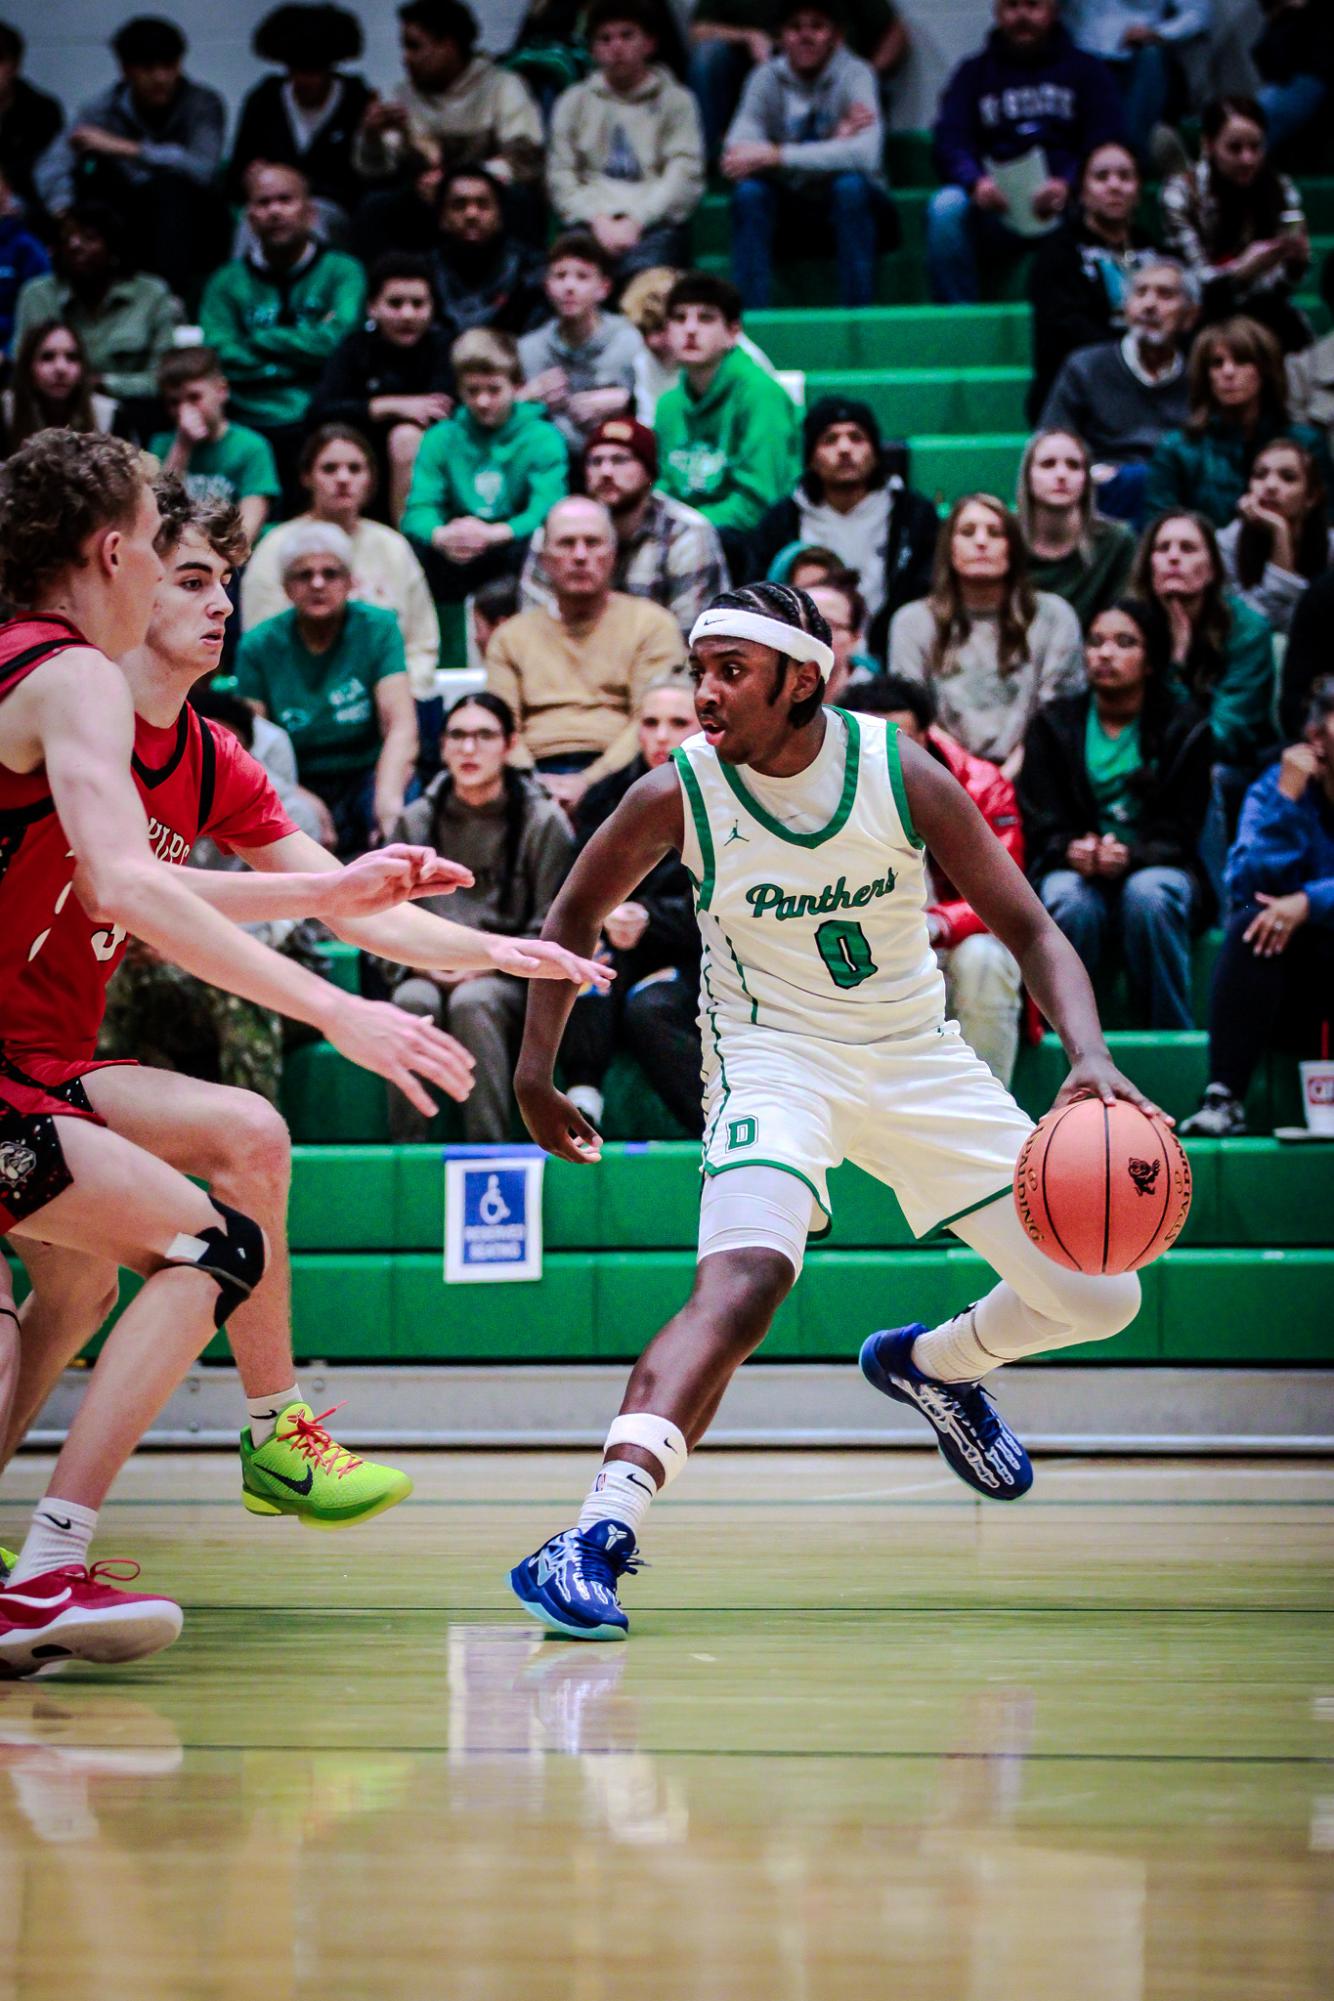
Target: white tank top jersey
820	933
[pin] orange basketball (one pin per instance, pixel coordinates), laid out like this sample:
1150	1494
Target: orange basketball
1102	1188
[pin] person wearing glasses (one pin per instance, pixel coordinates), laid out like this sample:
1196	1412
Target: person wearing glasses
506	828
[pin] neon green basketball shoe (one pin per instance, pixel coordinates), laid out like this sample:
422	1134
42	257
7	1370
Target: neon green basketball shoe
8	1558
302	1471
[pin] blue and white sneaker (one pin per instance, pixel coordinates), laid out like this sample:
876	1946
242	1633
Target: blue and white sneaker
970	1431
570	1583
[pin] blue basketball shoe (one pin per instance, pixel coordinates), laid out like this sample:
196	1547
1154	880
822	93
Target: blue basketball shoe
970	1431
570	1583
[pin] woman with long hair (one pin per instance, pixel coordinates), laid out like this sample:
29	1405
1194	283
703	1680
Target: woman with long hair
1238	395
1113	792
51	389
1238	224
503	825
1081	274
990	646
338	471
1073	550
1221	650
1279	540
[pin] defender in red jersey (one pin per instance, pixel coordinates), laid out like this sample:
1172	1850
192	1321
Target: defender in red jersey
77	529
194	778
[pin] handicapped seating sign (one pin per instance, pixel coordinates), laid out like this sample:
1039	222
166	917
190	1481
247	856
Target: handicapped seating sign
493	1213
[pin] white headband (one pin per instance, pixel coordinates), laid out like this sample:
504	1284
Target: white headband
789	639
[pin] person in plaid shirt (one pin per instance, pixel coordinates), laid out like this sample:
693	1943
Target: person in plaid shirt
665	550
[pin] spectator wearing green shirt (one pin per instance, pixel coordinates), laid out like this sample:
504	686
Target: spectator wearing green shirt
1113	790
125	319
216	460
274	316
728	433
333	674
487	477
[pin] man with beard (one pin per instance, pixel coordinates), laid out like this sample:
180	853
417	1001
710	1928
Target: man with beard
665	550
483	276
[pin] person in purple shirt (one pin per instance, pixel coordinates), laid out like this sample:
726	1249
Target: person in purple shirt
1028	89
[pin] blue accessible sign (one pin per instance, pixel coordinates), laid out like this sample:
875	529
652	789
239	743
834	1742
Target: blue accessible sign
493	1213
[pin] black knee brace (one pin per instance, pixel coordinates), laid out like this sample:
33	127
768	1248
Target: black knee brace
233	1257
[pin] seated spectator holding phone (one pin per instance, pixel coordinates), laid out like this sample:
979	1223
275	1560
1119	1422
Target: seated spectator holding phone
503	825
487	476
331	672
391	378
1081	274
1113	791
1273	983
652	940
1239	225
1280	540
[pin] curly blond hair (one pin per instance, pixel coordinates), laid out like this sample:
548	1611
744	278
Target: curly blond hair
55	492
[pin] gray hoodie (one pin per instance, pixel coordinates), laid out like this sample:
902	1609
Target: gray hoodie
801	115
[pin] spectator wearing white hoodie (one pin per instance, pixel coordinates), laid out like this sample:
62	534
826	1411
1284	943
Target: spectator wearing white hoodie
626	158
805	151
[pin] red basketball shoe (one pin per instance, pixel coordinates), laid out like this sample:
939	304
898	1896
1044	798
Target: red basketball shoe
73	1614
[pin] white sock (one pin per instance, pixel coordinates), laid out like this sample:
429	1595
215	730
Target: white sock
621	1493
952	1353
61	1532
265	1412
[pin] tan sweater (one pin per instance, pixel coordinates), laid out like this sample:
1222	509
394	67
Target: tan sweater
486	114
576	689
654	138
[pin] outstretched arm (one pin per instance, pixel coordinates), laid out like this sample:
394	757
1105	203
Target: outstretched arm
965	848
645	825
415	938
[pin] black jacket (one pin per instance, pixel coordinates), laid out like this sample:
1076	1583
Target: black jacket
1071	306
26	130
910	550
502	290
264	133
365	365
1058	806
672	937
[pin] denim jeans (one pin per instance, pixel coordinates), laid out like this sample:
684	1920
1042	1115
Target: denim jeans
1121	498
1291	106
1148	914
1144	78
848	206
960	238
718	71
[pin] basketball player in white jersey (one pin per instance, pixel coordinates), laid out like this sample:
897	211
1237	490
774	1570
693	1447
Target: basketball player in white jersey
804	830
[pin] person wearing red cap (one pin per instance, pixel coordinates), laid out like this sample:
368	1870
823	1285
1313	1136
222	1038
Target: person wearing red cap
665	551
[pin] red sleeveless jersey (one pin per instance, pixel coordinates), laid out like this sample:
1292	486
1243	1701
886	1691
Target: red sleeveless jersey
194	778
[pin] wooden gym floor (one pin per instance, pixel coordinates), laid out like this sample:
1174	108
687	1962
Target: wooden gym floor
869	1739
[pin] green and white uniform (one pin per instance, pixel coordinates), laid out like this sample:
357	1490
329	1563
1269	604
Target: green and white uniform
822	1009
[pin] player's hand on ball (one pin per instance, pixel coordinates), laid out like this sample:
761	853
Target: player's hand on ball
1098	1077
539	959
404	1048
558	1126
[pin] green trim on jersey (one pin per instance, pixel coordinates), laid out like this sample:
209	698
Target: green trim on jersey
703	833
900	790
984	1202
741	974
836	825
712	1012
784	1167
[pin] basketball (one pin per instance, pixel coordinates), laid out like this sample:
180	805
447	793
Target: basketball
1102	1188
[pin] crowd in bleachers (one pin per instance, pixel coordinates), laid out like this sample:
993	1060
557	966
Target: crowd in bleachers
495	441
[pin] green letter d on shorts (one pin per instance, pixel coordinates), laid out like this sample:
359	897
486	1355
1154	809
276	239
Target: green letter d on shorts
740	1133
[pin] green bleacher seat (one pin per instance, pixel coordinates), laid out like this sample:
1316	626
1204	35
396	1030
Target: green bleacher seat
893	337
968	401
